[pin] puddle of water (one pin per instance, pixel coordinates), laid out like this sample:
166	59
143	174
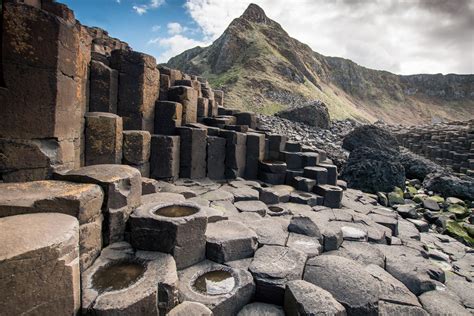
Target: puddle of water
176	211
117	276
215	283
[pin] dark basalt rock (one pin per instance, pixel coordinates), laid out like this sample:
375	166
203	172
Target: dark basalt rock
450	185
370	136
314	114
373	170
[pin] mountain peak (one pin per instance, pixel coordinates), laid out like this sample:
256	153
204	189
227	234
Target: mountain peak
254	13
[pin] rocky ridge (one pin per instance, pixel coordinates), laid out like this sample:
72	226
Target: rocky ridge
263	69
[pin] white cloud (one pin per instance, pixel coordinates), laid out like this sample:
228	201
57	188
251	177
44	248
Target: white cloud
175	28
155	28
143	8
416	36
174	45
118	1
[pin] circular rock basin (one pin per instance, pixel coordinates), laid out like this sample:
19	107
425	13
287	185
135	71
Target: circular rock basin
276	209
305	195
117	276
176	210
216	282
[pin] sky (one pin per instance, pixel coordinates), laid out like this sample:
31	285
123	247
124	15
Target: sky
400	36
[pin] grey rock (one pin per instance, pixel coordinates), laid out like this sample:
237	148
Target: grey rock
304	298
272	267
229	240
261	309
252	207
308	245
439	303
355	289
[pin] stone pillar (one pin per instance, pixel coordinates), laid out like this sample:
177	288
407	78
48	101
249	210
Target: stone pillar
122	188
276	144
103	138
136	150
45	97
165	157
212	108
202	107
39	270
255	153
187	96
219	97
168	116
235	156
247	118
103	88
165	84
216	157
193	152
138	88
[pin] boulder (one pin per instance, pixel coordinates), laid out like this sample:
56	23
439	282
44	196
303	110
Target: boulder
356	289
373	170
370	136
314	113
417	167
304	298
39	264
450	185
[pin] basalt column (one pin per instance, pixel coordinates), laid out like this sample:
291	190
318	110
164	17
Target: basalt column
193	152
139	88
44	102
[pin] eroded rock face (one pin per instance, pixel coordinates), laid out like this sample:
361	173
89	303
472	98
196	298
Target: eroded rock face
122	281
35	246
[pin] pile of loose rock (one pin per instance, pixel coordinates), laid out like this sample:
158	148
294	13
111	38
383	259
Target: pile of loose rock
329	140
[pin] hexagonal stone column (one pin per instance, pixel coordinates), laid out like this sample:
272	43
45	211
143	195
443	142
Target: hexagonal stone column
83	201
222	289
136	150
272	267
216	157
236	150
332	195
123	189
103	89
39	264
304	298
229	240
255	153
174	228
124	282
168	116
165	157
103	141
193	150
139	88
188	97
